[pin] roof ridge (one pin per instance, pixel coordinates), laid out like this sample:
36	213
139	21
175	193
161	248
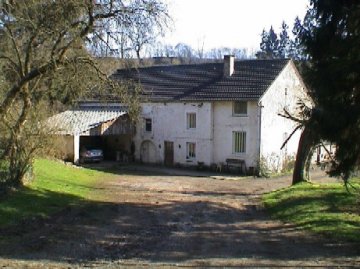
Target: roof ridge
215	62
205	81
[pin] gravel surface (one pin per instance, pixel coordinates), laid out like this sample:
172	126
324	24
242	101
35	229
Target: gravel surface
156	217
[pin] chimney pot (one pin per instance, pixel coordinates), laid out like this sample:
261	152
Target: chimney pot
229	61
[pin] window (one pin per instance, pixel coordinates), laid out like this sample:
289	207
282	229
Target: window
239	142
190	151
148	125
191	120
240	108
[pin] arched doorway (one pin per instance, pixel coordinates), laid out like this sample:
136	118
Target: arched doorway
148	152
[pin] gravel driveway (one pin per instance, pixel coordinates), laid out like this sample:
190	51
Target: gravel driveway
156	217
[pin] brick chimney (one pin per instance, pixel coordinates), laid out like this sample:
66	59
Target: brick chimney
229	65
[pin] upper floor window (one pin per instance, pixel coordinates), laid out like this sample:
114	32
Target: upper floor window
239	142
148	125
190	120
240	108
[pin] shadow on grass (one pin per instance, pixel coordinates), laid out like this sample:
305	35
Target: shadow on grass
331	211
333	199
20	205
70	229
173	232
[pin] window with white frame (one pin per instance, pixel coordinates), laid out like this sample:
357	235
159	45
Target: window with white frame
190	120
190	151
239	142
148	125
240	108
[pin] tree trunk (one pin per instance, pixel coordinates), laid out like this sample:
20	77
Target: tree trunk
303	157
138	54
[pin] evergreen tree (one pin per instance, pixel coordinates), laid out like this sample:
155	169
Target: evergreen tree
273	43
331	38
269	45
284	42
263	45
296	51
272	47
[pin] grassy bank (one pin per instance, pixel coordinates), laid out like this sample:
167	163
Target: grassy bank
327	209
55	187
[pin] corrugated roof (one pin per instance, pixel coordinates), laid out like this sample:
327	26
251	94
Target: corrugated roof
205	82
77	121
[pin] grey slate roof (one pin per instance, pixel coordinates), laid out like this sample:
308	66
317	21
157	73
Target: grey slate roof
80	120
205	82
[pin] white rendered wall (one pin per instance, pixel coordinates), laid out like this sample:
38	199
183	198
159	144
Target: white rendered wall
215	124
224	126
284	92
169	124
76	148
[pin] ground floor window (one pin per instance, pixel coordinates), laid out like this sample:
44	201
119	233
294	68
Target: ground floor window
190	151
239	142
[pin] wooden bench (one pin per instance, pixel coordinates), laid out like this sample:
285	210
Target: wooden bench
237	163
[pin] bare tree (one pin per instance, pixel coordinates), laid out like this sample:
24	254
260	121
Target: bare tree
215	53
140	29
241	53
184	52
218	53
169	51
44	57
157	50
200	48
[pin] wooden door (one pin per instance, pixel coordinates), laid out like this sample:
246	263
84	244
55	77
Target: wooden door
169	153
148	152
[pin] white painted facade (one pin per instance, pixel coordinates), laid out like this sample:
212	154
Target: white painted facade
225	123
169	123
215	124
284	92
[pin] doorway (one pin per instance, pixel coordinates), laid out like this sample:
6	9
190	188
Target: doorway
169	153
148	152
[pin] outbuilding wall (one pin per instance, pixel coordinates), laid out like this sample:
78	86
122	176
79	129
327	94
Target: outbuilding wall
64	147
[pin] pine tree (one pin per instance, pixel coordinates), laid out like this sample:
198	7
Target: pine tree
284	42
269	45
296	50
273	43
331	38
264	40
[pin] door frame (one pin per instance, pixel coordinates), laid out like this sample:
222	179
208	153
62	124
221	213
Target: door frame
168	154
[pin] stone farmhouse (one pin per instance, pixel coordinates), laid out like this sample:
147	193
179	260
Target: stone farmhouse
210	114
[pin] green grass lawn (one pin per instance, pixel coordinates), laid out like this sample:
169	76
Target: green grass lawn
55	187
327	209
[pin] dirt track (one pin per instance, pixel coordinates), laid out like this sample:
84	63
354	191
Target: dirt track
164	219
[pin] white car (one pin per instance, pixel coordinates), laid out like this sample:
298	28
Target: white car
91	154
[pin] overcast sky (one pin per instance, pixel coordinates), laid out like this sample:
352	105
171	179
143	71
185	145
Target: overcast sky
229	23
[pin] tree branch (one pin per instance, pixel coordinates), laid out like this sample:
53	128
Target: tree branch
15	90
15	66
17	52
29	51
287	115
289	137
